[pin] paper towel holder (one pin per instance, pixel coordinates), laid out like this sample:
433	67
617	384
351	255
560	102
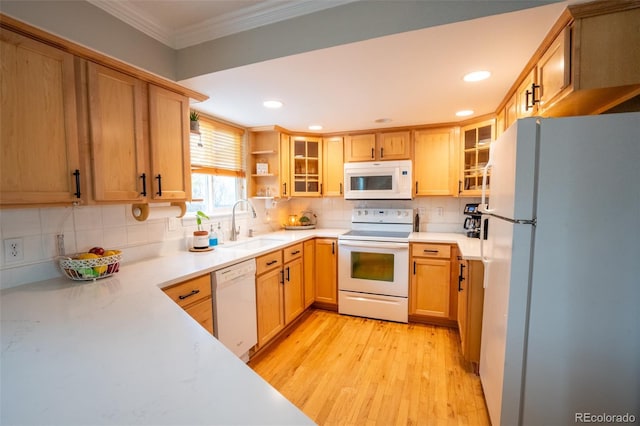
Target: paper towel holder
141	212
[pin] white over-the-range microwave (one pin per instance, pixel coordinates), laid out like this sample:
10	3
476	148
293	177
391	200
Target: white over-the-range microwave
378	180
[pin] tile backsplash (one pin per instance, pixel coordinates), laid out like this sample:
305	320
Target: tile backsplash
114	227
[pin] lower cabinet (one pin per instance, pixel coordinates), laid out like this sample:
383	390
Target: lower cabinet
279	290
326	273
430	284
309	272
470	303
194	296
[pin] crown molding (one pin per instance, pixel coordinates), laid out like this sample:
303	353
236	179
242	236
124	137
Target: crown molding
129	14
264	13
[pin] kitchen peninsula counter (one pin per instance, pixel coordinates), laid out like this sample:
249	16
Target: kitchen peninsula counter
119	351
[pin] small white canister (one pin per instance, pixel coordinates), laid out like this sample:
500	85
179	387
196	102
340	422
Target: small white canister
200	239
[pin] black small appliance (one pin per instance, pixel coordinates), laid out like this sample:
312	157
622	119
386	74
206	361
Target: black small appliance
473	221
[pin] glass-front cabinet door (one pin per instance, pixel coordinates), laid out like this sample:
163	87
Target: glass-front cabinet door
476	140
306	166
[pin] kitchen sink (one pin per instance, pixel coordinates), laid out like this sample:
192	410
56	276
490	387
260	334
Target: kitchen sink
252	244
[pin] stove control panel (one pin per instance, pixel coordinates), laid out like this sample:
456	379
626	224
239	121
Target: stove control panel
382	215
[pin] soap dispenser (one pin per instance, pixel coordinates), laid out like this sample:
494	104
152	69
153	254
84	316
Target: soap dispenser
213	237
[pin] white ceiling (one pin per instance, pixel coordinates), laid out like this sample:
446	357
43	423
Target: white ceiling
412	78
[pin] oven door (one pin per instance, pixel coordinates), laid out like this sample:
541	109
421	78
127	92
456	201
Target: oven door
374	267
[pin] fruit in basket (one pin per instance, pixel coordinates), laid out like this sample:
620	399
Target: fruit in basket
100	269
85	256
97	250
110	253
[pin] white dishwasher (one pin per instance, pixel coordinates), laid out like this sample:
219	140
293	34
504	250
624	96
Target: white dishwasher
234	307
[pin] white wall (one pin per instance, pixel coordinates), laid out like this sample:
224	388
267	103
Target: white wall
114	227
111	227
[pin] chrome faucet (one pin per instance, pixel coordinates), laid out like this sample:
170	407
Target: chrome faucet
236	231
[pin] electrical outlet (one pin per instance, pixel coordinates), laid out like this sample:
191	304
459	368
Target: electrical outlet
173	223
13	250
440	211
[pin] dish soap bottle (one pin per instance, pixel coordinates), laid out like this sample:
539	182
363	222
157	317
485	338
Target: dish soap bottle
213	238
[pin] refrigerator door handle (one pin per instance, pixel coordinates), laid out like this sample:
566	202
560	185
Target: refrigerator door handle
484	207
485	260
508	219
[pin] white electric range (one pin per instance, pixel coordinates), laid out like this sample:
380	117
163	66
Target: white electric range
373	260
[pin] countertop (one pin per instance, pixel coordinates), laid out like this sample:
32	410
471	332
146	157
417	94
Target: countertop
119	351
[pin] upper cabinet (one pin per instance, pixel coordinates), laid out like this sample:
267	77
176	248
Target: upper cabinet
434	166
333	167
381	146
584	66
79	127
40	159
169	145
116	103
269	164
475	142
394	145
306	166
360	147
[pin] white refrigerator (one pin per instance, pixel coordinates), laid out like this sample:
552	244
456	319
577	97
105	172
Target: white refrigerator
561	323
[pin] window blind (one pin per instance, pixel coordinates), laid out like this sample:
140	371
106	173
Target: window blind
218	149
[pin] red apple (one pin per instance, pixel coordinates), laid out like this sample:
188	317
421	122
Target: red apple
97	250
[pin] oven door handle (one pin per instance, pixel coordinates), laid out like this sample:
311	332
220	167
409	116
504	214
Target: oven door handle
374	244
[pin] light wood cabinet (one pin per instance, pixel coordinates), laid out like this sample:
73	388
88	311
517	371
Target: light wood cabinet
116	135
430	285
333	167
470	306
38	124
269	147
584	65
306	166
434	166
380	146
309	272
474	147
293	282
394	145
279	290
326	273
526	106
194	296
169	145
360	147
285	166
269	305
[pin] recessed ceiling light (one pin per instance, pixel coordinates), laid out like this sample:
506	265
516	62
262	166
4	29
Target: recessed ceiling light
464	113
315	127
477	76
272	104
383	120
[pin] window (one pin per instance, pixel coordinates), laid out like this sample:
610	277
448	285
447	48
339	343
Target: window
217	166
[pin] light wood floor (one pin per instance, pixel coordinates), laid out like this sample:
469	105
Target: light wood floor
342	370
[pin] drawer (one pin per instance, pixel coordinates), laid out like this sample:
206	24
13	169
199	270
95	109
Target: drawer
292	252
442	251
188	292
203	313
268	262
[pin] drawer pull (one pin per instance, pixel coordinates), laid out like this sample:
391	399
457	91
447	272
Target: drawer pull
431	251
193	293
295	252
272	262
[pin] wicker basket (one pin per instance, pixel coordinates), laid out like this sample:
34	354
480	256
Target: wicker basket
90	269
